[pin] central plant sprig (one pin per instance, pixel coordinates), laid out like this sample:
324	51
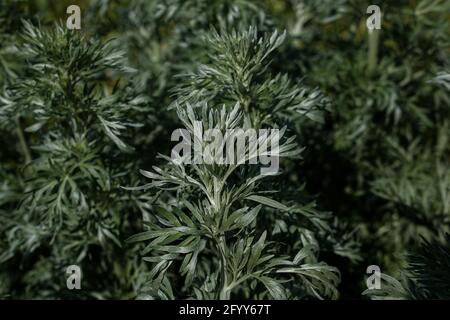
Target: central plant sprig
206	221
71	124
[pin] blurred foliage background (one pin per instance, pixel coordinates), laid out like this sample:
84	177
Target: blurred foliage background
377	158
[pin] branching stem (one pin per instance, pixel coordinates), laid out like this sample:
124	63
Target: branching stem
374	36
224	292
23	142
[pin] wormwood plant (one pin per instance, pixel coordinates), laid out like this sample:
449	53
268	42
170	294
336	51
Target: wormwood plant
383	156
8	64
163	38
218	224
425	277
238	70
8	71
371	146
420	190
72	124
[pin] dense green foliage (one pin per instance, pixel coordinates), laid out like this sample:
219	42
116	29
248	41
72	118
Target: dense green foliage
86	177
426	275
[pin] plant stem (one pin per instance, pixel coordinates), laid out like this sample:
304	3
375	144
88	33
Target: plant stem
224	292
374	36
23	142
